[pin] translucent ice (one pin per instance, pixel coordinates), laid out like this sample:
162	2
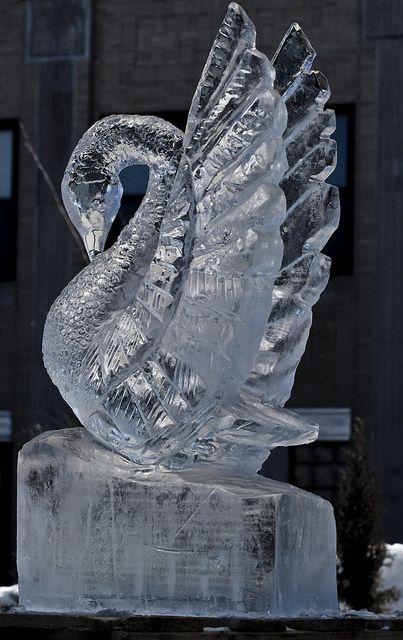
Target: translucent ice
177	348
94	535
178	345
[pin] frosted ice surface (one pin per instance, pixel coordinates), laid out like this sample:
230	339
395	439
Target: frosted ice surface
179	345
94	535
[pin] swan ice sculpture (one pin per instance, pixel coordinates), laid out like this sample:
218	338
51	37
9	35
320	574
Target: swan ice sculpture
179	344
177	349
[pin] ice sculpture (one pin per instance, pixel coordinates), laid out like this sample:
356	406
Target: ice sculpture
180	343
177	349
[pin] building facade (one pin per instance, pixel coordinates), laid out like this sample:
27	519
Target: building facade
66	63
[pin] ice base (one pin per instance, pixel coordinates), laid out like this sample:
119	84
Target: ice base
94	533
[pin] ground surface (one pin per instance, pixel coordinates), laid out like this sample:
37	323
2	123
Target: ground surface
38	626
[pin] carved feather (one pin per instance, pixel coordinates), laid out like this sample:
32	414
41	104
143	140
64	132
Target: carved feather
312	216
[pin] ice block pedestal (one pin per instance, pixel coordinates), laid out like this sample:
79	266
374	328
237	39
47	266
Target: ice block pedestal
94	533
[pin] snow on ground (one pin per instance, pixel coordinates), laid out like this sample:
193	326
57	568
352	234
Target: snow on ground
8	596
392	573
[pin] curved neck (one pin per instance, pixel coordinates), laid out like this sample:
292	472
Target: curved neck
110	282
118	141
91	186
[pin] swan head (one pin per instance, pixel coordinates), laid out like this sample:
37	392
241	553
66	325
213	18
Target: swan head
92	205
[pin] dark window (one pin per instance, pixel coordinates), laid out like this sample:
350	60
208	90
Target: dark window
316	468
340	246
8	200
134	180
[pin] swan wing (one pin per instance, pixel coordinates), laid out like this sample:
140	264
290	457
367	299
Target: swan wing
312	216
234	158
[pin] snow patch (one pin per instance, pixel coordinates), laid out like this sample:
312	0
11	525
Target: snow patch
392	572
8	596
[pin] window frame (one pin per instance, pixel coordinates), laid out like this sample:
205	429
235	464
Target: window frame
13	126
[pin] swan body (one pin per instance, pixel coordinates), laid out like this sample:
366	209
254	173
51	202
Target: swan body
179	344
